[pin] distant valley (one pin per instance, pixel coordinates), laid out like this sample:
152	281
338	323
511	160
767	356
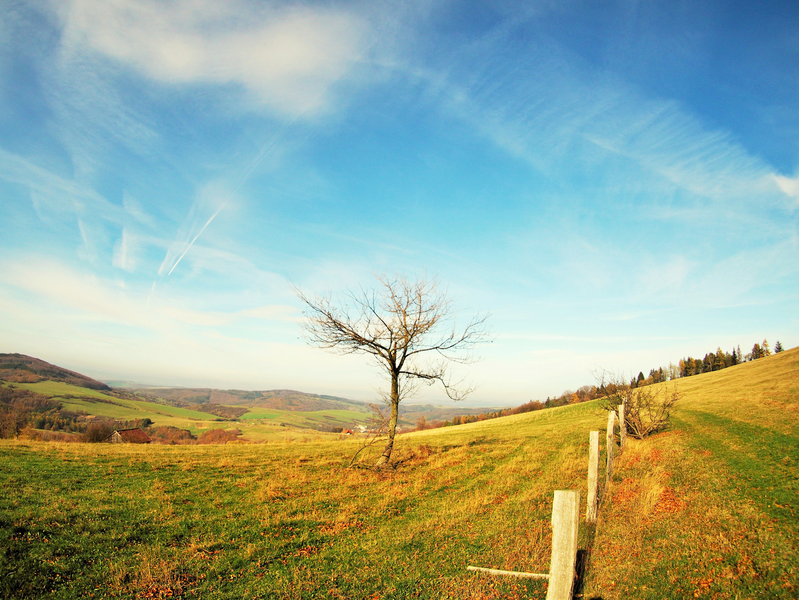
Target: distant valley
57	402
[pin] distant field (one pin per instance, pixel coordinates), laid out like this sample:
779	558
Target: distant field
260	424
304	418
57	388
706	510
92	402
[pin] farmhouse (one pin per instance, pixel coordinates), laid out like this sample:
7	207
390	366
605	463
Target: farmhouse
129	436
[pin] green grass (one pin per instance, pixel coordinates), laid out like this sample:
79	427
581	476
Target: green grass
705	510
307	419
53	389
709	509
289	520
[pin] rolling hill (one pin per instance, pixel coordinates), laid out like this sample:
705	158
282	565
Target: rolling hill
18	368
706	509
260	414
290	400
54	399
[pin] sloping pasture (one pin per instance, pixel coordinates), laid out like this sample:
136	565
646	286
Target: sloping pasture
705	510
290	520
709	509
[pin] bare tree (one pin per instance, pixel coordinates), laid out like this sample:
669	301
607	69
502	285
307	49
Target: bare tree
407	326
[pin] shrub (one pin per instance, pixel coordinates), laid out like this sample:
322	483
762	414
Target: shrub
646	409
219	436
98	432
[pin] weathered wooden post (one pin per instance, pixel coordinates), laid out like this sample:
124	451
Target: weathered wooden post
565	523
609	444
593	476
622	425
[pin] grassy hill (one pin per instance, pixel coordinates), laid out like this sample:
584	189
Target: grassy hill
19	368
37	391
710	509
276	399
257	423
705	510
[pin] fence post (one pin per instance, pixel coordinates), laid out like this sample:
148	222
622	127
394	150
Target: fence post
622	425
593	476
609	444
565	522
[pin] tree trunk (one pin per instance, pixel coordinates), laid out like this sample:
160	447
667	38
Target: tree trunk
392	422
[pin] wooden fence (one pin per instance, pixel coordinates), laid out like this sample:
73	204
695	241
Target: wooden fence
566	516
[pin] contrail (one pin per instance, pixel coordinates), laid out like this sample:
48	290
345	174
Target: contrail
267	148
207	223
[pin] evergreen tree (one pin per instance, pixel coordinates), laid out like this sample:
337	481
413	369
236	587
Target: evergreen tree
777	347
734	358
757	352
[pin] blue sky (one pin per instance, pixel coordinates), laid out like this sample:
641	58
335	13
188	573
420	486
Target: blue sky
616	183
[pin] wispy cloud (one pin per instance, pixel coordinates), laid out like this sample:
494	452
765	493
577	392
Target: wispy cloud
287	57
544	104
61	313
101	299
53	193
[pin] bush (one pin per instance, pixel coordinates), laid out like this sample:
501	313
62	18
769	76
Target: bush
166	434
646	409
98	432
219	436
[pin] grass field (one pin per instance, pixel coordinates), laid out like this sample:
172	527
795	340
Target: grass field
705	510
709	509
307	418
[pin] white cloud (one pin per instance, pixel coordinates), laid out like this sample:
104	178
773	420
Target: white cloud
66	290
71	317
789	186
134	208
288	58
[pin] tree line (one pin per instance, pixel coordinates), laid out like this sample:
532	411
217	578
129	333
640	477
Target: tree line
686	367
720	359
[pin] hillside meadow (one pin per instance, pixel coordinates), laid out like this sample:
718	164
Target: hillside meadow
710	508
704	510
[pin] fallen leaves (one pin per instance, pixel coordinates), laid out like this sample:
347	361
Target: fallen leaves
669	503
